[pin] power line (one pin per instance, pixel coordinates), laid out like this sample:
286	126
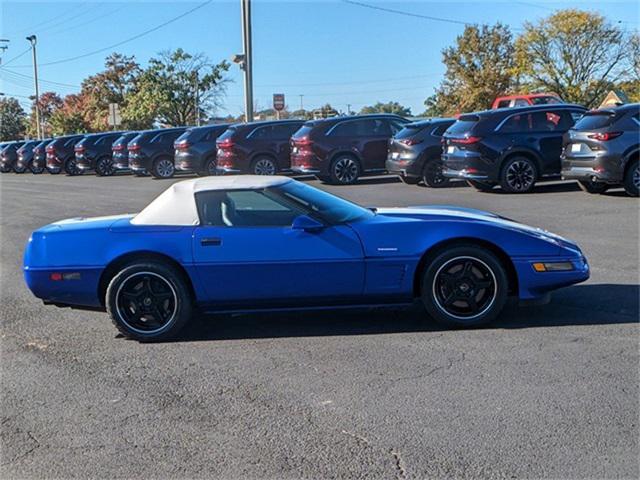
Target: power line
130	39
17	56
16	74
85	23
52	19
414	15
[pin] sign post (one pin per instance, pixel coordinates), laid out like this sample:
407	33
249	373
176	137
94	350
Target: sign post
114	115
278	103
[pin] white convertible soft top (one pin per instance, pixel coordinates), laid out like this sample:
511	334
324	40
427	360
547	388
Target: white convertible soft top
177	205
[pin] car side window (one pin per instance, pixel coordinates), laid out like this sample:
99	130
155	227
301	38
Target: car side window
262	133
243	208
440	129
213	135
382	128
71	142
158	138
521	102
504	103
516	124
349	128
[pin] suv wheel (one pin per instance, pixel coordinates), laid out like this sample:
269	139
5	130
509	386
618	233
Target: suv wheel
149	301
632	179
432	174
464	286
163	168
71	167
5	168
35	169
264	166
19	169
481	186
344	170
209	168
104	167
593	187
519	175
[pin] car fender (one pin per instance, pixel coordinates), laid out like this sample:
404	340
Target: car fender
629	154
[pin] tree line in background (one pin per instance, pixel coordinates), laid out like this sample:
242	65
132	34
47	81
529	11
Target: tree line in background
578	55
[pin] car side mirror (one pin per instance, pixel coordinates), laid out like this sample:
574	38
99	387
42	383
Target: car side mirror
306	223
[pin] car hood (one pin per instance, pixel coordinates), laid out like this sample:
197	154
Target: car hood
462	214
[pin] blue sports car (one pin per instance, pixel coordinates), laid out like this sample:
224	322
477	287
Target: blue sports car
248	243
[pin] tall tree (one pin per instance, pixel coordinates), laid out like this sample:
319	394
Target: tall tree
389	107
70	117
113	85
168	90
479	67
577	54
48	103
12	119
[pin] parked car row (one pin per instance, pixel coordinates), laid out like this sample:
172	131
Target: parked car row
508	147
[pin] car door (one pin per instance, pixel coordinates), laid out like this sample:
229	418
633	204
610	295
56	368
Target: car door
376	133
246	250
549	126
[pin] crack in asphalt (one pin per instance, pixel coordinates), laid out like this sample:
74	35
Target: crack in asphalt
399	464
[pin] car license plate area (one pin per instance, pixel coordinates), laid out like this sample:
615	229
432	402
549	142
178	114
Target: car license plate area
451	149
395	155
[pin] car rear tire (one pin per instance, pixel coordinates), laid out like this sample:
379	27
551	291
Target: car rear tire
432	174
481	186
593	187
264	166
344	170
34	169
5	169
104	167
209	168
518	175
464	286
163	168
18	169
632	179
71	167
149	301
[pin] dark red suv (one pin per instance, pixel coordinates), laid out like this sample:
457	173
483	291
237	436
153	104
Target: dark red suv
340	149
261	148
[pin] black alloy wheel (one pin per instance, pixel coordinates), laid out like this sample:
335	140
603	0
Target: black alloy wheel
432	175
519	175
464	286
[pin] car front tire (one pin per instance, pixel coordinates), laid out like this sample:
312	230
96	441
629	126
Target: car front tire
209	168
264	166
632	179
71	167
464	286
149	301
104	167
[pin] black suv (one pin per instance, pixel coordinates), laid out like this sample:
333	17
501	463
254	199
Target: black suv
415	151
39	161
24	160
195	149
60	155
261	148
93	152
341	149
602	150
9	156
511	147
119	151
151	152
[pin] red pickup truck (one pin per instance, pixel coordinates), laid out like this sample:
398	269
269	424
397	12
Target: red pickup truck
524	100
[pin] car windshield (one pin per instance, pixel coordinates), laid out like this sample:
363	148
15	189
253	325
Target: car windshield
329	207
411	129
463	125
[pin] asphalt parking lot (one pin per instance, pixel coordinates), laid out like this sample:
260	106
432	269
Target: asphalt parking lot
547	392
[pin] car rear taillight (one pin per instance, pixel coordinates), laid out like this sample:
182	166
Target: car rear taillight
302	142
79	148
117	148
465	140
183	145
133	148
51	149
410	141
225	143
604	137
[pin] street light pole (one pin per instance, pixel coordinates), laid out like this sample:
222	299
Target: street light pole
33	40
197	98
245	6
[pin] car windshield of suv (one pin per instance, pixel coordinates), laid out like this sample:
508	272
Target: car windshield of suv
594	120
329	207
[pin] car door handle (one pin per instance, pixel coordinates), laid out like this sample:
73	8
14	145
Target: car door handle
211	242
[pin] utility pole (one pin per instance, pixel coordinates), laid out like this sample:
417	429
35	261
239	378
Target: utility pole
245	6
197	99
301	105
348	109
32	39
